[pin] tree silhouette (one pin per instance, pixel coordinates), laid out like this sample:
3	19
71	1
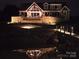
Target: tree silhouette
9	10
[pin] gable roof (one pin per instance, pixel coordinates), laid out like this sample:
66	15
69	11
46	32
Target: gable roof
45	3
65	8
34	4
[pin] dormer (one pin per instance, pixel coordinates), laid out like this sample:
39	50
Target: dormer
65	10
45	6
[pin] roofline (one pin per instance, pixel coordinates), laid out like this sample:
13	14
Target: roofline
55	4
36	4
66	7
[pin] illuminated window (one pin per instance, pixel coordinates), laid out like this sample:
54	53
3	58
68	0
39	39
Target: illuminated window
34	14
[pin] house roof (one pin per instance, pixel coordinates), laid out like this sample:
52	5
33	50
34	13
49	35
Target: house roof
40	5
65	8
34	5
25	6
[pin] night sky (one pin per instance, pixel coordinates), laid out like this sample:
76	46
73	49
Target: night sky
73	4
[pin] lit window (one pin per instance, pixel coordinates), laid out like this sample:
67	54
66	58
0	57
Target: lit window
35	14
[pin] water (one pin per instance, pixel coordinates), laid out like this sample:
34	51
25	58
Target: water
13	37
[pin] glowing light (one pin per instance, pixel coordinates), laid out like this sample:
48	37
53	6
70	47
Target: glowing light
62	31
66	32
31	54
29	26
49	20
77	36
16	19
36	52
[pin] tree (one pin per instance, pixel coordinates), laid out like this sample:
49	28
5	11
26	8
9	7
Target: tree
9	10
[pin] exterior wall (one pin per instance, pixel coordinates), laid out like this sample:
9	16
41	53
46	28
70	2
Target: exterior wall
29	13
16	19
19	19
44	20
49	20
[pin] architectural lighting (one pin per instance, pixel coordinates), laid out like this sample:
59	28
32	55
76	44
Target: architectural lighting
49	20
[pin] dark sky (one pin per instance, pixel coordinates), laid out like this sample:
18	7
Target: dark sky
73	4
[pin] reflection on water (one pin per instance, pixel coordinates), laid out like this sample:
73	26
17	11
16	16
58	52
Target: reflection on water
48	37
36	53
